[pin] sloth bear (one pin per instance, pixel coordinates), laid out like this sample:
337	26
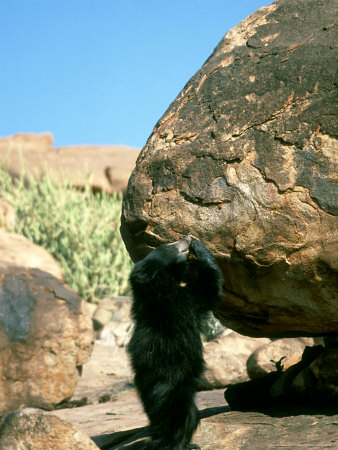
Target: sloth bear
174	288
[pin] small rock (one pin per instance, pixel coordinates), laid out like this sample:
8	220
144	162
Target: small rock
33	429
226	359
313	381
116	309
112	320
260	362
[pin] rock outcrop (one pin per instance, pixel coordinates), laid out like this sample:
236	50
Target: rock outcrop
103	167
245	159
45	338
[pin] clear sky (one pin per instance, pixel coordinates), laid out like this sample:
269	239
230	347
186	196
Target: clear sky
103	71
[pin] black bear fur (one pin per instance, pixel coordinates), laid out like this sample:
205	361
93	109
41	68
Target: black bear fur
174	288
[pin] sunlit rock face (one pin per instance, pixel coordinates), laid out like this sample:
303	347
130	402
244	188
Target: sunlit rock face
46	335
245	159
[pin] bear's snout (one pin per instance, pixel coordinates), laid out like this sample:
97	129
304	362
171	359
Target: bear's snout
182	246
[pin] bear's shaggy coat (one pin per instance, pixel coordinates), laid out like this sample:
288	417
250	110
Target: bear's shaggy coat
174	288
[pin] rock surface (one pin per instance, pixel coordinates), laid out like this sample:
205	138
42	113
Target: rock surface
119	423
33	429
105	375
262	360
313	381
45	338
17	250
103	167
257	430
117	419
226	359
318	382
245	159
124	413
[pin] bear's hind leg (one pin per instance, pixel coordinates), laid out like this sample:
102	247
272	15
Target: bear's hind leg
173	422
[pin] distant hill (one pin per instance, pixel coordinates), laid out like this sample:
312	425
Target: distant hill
105	167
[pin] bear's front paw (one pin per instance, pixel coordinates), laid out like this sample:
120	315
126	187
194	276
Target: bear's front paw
197	248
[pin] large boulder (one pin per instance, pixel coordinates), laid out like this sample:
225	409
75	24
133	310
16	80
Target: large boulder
244	159
46	336
104	167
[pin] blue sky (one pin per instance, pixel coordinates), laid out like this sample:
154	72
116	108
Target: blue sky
103	71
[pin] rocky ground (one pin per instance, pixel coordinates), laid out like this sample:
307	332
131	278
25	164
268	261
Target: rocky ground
114	419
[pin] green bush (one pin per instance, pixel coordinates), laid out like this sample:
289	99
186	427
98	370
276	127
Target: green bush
79	228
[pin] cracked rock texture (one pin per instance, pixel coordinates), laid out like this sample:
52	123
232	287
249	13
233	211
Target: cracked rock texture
46	336
245	159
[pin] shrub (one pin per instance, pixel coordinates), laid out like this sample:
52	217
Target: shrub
79	228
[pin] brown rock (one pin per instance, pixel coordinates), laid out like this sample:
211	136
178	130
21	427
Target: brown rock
17	250
103	167
45	338
33	429
255	431
261	362
245	159
226	360
312	381
319	380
